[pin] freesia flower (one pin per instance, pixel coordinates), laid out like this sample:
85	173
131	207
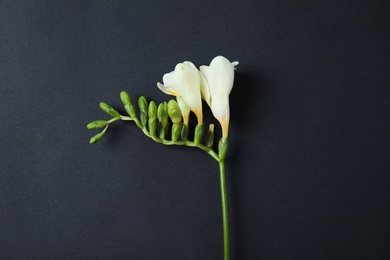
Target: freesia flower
184	82
215	88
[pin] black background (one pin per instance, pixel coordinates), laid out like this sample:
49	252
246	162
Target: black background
308	168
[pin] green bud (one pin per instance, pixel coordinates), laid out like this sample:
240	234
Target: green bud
109	110
210	136
152	110
126	100
176	131
162	113
174	112
222	148
152	126
96	137
184	132
97	124
143	108
199	130
128	104
143	104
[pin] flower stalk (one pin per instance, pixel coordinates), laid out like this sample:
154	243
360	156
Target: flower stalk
225	213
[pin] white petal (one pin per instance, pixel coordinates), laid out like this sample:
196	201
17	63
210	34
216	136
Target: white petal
220	108
169	79
186	74
221	76
189	63
204	86
166	90
185	110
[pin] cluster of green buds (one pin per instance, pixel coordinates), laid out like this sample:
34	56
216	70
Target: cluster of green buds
163	123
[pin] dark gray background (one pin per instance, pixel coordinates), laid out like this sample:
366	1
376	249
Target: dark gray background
308	168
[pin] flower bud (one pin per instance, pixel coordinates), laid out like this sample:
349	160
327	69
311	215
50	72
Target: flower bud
174	112
152	110
97	124
143	108
199	129
96	137
210	136
109	110
162	113
128	104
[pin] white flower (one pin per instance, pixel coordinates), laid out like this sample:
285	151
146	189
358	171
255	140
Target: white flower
184	82
216	86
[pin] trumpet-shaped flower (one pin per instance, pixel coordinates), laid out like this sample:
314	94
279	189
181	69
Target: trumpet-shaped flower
184	82
215	88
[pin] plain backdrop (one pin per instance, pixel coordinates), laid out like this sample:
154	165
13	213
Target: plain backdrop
308	166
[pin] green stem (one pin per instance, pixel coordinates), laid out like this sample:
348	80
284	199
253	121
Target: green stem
185	142
225	219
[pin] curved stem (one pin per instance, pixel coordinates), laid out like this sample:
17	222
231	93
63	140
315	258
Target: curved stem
210	151
225	218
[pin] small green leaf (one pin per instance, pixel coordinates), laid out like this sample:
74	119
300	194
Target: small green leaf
97	124
109	110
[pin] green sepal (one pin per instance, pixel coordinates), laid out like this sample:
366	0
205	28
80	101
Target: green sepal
109	110
222	148
96	137
97	124
128	104
184	132
152	126
210	136
174	112
176	131
164	130
161	131
152	110
199	130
